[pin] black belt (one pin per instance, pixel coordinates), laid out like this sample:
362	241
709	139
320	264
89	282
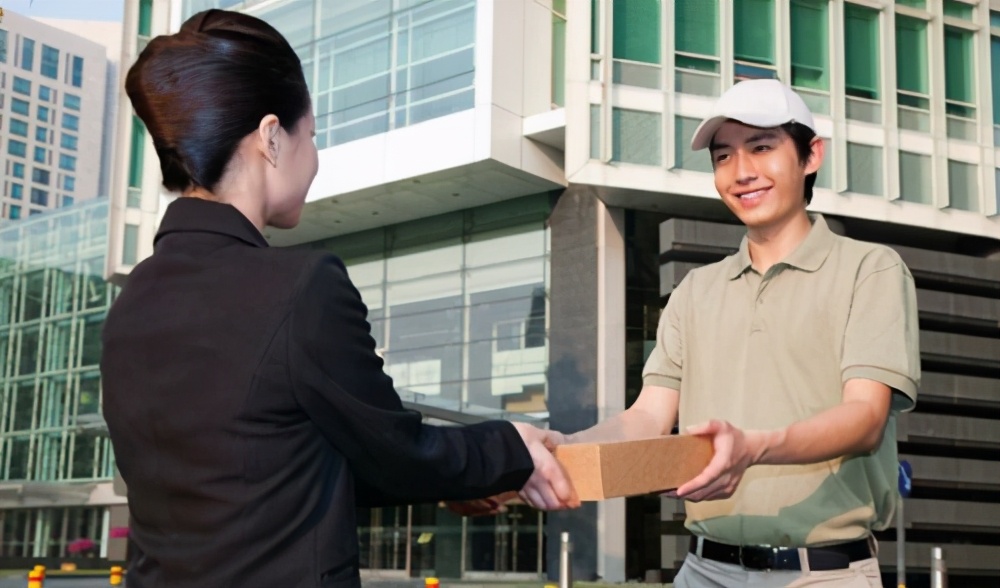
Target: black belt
755	557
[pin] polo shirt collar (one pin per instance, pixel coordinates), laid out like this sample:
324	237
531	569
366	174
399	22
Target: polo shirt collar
189	214
808	256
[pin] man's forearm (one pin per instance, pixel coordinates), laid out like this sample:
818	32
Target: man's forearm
851	428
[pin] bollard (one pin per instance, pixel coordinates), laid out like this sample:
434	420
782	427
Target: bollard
432	583
115	579
939	572
35	578
565	567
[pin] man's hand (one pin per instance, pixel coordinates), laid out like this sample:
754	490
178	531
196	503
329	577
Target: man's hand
548	488
734	453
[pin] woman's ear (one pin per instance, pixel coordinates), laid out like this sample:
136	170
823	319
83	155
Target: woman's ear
269	138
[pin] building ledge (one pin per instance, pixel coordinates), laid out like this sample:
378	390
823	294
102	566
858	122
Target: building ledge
547	128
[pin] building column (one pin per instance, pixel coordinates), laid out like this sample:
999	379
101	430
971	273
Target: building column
587	364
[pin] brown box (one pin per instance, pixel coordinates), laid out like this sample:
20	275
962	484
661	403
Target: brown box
630	468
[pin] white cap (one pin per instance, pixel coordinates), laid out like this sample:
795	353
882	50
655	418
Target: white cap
758	103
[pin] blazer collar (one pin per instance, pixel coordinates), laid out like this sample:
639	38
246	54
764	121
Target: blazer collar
808	256
188	214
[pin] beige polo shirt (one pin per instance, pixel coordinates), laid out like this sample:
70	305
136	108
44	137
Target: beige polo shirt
764	351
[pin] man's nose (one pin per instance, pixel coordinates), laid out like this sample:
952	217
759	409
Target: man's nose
746	169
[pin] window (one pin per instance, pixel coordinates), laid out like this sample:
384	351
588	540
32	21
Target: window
15	147
136	154
810	60
18	170
67	162
915	183
22	86
41	155
696	34
753	38
862	53
963	185
635	136
995	79
145	17
40	176
39	196
637	30
959	79
41	134
68	142
958	9
995	19
71	101
130	245
50	62
18	106
684	158
43	114
77	77
69	183
15	212
71	121
67	200
864	169
3	46
18	127
45	93
27	54
914	3
16	191
911	63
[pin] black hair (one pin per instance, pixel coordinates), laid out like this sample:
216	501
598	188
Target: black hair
202	90
802	137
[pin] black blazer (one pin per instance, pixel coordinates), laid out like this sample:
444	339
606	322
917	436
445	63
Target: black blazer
250	415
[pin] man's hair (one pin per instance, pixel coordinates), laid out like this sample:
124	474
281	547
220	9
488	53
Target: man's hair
802	137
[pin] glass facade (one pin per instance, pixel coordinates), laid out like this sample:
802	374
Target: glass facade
375	65
457	305
53	300
458	309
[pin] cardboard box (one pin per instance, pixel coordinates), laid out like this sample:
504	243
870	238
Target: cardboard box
631	468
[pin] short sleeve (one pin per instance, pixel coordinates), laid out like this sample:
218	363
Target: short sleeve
881	342
663	368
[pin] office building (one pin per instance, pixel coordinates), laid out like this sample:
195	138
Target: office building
510	185
52	103
56	463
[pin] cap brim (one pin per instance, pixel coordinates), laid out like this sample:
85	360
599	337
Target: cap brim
703	135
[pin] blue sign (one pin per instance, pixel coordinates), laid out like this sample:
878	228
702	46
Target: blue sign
905	478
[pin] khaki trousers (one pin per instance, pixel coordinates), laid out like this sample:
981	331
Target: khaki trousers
698	572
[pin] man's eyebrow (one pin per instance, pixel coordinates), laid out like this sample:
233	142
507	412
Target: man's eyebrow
714	146
762	136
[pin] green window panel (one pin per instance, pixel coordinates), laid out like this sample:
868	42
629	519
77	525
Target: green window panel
810	44
753	31
145	17
963	185
595	27
958	9
864	169
637	30
995	75
915	181
959	77
136	153
862	53
913	3
911	61
636	136
995	19
3	46
696	30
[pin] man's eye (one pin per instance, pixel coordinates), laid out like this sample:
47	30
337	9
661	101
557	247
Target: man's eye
761	148
719	158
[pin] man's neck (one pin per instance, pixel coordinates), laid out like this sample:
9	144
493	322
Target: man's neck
770	245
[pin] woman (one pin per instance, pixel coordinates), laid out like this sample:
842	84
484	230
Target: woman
248	410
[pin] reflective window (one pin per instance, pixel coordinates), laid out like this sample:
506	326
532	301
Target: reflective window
915	178
27	54
18	127
67	141
76	76
22	86
963	185
457	305
636	136
3	46
15	147
810	52
864	169
70	121
67	162
684	157
71	101
50	62
18	106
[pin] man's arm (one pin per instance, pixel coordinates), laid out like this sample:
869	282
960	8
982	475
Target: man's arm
855	426
652	414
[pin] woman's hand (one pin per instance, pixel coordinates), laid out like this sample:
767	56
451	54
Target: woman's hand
548	488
